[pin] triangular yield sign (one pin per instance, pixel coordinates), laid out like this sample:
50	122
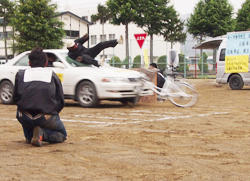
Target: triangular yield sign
140	38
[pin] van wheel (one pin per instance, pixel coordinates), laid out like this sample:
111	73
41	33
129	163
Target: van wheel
235	82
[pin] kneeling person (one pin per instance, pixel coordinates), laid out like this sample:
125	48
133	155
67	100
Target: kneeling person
39	97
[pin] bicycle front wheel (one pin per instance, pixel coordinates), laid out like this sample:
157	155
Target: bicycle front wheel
183	96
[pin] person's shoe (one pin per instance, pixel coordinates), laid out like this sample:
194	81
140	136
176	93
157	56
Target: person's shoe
101	61
28	141
37	136
120	41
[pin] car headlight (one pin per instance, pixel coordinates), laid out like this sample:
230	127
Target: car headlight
115	79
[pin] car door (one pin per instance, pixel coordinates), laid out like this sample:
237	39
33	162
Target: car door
21	64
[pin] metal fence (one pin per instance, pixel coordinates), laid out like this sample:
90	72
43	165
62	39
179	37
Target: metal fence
191	64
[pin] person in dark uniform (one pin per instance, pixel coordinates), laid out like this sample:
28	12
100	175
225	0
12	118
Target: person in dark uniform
160	77
87	55
51	58
39	97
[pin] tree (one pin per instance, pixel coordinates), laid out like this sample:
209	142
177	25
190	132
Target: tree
102	16
243	17
6	11
219	20
122	12
211	18
196	22
36	24
174	30
152	16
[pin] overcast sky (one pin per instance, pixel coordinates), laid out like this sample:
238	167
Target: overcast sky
183	6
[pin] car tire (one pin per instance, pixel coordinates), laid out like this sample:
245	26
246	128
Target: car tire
86	94
236	82
6	92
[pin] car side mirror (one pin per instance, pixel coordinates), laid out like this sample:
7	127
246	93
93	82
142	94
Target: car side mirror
59	65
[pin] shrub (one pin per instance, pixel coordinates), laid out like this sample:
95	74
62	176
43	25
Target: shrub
116	62
161	62
137	62
181	64
205	65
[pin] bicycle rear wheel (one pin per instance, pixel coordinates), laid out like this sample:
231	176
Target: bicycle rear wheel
185	99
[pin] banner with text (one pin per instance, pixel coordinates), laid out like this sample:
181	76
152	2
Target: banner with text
237	52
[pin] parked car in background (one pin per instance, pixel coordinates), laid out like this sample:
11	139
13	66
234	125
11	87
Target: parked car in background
2	62
85	84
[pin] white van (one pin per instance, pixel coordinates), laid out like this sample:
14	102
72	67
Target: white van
236	80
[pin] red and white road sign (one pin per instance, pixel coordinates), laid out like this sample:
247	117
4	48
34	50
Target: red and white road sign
140	38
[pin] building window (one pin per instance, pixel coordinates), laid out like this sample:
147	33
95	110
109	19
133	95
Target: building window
103	37
72	34
9	34
93	39
111	36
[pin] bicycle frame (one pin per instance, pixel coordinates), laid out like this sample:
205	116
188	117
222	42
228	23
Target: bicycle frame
165	91
179	93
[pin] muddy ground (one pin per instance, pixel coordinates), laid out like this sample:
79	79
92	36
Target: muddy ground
209	141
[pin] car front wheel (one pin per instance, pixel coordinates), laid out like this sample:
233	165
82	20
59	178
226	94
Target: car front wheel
86	94
6	92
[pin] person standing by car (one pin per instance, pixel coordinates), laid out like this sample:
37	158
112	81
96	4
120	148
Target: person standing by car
39	97
160	77
76	49
51	58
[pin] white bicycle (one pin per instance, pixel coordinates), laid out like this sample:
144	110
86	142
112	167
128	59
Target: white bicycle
178	92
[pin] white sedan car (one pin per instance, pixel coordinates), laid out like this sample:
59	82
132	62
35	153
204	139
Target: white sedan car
85	84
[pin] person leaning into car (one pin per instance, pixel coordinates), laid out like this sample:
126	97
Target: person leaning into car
39	97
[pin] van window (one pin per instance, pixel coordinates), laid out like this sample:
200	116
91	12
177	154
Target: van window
222	54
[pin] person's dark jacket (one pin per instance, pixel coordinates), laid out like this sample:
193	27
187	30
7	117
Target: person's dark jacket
37	96
160	80
80	48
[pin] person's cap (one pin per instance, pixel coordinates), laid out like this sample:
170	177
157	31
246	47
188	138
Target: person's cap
154	65
70	43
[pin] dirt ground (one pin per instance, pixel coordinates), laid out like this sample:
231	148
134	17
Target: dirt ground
209	141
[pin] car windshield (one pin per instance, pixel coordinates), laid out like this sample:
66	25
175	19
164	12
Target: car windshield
72	62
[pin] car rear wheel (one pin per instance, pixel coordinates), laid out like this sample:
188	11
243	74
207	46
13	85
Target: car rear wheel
86	94
235	82
6	92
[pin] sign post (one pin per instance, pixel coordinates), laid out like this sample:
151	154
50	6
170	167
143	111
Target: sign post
140	38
